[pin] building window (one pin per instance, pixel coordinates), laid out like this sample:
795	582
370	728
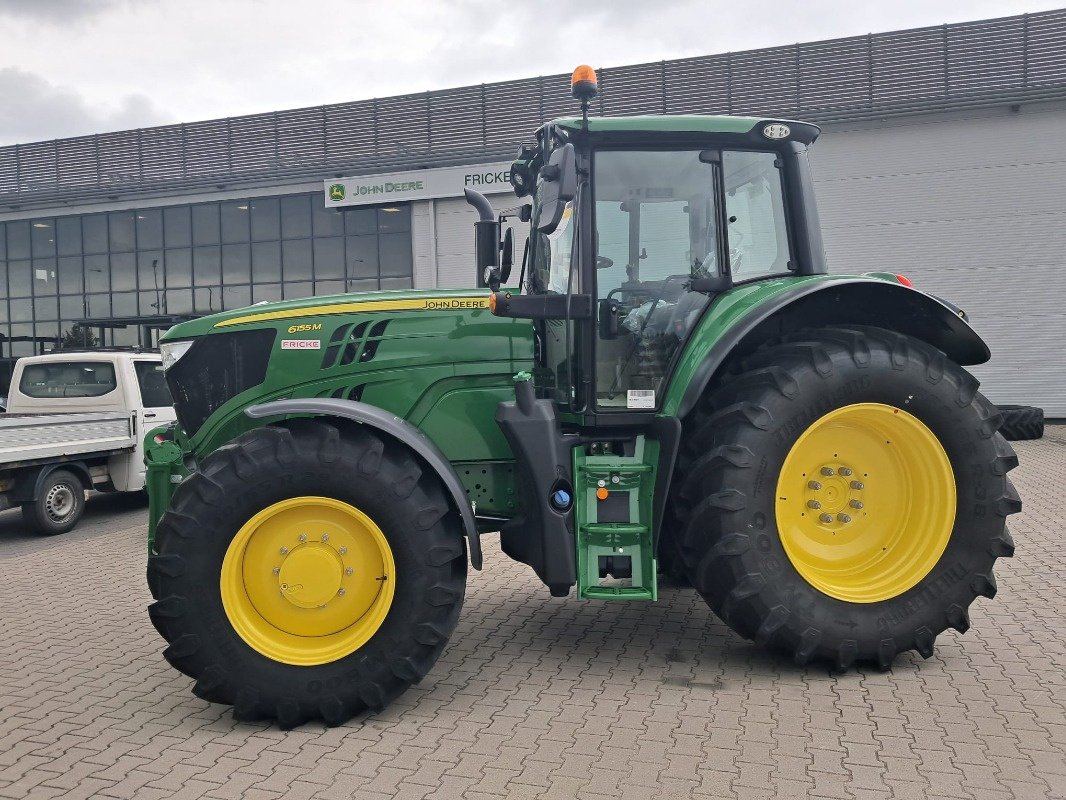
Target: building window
187	259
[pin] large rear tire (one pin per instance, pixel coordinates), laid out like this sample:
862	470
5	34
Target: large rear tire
844	497
307	573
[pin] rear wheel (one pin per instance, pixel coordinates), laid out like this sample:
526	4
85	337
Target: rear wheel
844	497
59	504
303	574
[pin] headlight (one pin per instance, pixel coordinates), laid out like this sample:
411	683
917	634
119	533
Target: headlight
172	351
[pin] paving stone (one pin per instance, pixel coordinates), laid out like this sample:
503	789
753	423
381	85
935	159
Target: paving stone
537	697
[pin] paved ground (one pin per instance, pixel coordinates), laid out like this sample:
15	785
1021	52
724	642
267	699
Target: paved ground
538	697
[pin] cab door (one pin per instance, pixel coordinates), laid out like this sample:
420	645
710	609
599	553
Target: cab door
657	217
152	406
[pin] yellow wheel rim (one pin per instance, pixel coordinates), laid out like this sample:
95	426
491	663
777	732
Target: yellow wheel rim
865	502
308	580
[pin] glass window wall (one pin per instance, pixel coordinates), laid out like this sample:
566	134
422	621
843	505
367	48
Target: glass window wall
186	259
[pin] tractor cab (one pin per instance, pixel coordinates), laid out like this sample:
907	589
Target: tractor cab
636	224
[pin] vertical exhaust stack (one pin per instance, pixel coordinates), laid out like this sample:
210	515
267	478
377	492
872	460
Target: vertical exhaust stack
486	240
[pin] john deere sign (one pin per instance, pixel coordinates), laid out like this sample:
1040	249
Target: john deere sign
423	184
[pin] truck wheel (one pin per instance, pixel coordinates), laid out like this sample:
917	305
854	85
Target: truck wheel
846	497
58	506
1021	423
307	573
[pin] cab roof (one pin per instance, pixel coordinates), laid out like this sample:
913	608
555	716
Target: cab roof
687	123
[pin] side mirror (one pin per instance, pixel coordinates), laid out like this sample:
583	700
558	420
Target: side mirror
506	255
556	186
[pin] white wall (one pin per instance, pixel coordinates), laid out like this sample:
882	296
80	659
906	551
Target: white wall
972	208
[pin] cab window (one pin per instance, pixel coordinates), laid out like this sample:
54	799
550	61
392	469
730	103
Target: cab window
154	390
68	379
755	207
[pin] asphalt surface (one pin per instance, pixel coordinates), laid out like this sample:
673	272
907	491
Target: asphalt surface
541	697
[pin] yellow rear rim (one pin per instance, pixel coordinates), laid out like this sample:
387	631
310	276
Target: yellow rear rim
308	580
865	502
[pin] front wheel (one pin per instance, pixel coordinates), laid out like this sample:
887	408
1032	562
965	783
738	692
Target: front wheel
58	506
844	498
305	572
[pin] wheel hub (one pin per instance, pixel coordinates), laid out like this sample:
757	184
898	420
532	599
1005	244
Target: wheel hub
59	502
308	580
310	576
865	502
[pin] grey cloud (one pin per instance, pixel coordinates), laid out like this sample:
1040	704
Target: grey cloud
32	109
55	10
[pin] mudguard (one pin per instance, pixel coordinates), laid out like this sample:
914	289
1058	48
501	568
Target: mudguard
399	429
739	320
31	480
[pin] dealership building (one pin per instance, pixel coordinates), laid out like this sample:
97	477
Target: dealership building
941	158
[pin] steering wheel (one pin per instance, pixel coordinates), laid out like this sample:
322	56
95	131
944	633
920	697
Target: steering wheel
602	262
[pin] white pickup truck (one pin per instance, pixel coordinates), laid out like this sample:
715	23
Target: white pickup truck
76	421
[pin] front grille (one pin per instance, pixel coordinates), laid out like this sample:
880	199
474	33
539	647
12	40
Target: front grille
218	367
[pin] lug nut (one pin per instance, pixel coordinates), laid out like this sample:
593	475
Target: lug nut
325	537
845	471
276	570
827	471
857	485
284	551
340	592
348	570
843	518
814	485
826	518
813	504
303	537
856	503
343	551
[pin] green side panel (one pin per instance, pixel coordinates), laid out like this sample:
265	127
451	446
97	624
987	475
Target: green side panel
680	123
619	526
462	422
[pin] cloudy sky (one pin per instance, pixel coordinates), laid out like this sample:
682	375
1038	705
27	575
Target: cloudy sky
71	67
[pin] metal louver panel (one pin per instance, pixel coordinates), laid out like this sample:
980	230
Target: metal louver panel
1008	60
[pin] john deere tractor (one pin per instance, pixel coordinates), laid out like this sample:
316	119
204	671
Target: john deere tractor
672	386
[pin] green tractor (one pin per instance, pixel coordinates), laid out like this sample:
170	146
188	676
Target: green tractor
676	388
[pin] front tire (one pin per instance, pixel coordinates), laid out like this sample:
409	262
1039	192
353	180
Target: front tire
844	497
307	573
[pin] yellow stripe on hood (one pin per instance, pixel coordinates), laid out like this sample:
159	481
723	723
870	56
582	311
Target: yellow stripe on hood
363	307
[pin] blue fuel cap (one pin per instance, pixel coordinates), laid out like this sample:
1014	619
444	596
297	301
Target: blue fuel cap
561	499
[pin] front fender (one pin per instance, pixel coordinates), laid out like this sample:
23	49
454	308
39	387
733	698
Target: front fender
399	429
740	320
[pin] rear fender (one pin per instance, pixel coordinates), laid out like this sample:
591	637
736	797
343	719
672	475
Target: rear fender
731	331
396	427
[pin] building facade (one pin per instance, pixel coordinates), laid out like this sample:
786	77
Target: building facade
939	159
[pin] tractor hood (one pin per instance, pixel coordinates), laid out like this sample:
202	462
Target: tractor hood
300	310
403	352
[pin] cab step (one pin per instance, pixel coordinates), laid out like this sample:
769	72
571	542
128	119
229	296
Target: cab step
613	516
